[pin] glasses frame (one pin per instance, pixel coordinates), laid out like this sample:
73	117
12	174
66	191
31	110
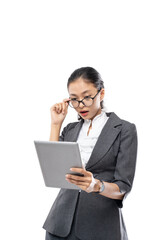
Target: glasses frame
81	101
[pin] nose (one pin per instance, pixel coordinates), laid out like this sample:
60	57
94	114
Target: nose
81	105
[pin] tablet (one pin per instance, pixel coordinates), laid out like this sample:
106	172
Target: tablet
56	159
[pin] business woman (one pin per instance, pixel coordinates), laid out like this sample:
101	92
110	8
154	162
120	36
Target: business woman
108	147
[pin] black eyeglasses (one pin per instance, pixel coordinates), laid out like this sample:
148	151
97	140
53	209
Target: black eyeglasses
87	101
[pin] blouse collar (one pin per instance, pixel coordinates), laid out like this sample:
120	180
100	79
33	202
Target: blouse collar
101	115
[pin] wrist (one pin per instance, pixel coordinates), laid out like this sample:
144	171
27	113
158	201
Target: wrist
97	185
56	125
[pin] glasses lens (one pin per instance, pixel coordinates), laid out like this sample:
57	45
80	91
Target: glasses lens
73	103
88	101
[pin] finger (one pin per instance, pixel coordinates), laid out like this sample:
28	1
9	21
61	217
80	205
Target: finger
63	107
53	107
58	107
84	184
81	170
66	101
79	178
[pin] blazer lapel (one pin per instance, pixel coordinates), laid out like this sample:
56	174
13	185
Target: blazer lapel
105	140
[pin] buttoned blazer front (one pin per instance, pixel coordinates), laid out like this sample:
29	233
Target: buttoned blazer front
113	160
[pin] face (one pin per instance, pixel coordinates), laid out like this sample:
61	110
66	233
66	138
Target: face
80	89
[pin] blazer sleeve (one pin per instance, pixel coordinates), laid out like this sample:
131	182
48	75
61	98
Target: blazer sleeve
64	132
126	161
66	129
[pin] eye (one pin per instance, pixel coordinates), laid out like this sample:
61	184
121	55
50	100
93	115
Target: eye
87	97
73	99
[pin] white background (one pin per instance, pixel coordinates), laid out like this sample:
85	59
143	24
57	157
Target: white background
41	44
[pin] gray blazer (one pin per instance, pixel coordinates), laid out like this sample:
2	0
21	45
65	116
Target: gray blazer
113	160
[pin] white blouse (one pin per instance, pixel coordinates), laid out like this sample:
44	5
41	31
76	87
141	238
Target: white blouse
87	143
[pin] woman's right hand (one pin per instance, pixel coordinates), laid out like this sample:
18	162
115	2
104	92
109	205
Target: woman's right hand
59	112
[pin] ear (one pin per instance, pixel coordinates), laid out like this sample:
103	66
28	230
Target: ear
102	93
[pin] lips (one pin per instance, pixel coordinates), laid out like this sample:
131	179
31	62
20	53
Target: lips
84	112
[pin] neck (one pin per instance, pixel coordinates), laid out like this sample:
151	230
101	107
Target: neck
98	112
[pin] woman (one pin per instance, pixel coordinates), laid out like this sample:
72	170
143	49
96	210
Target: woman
108	147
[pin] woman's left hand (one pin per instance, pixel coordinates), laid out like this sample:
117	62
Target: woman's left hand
87	182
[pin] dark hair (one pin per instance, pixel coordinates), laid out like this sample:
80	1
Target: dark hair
90	75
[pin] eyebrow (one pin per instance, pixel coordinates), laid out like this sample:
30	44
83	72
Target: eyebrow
82	92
